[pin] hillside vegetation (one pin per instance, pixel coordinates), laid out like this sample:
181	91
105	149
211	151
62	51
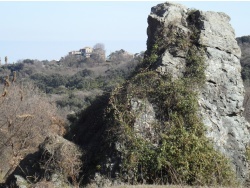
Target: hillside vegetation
244	43
74	81
27	118
34	93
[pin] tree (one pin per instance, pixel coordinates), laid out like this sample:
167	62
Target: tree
6	60
99	46
120	56
98	53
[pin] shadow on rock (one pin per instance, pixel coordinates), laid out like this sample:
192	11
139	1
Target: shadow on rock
28	168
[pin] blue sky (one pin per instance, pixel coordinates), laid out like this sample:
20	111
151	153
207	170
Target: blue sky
49	30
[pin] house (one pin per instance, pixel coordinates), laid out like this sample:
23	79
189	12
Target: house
86	52
75	53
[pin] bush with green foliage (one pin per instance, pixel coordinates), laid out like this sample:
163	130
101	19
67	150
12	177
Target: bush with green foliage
182	154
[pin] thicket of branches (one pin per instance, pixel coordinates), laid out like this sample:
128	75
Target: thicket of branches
27	117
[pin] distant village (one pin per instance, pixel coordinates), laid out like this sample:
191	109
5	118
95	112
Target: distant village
87	52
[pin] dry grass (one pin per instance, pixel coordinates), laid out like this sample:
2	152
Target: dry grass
27	118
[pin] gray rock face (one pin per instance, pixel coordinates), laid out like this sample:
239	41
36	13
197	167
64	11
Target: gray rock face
216	32
21	182
221	98
145	117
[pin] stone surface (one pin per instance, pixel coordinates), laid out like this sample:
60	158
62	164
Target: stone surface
172	64
224	91
145	117
21	182
57	160
216	32
55	182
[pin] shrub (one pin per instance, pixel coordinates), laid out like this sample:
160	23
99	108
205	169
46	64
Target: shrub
181	152
27	117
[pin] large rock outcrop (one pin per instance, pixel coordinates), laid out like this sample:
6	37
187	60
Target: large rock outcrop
188	93
221	97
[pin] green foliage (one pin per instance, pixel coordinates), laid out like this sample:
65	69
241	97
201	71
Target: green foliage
49	83
244	39
74	102
28	61
195	65
244	43
182	153
246	72
15	67
248	153
83	80
151	57
72	74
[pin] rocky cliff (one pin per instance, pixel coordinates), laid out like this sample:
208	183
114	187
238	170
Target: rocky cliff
221	97
179	118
